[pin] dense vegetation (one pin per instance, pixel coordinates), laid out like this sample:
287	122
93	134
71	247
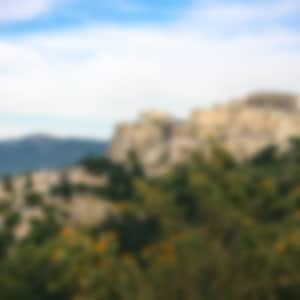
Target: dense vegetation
207	230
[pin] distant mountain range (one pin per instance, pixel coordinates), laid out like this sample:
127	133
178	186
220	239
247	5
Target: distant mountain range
38	152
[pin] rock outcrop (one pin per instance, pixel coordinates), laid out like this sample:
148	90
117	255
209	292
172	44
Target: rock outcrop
243	126
84	208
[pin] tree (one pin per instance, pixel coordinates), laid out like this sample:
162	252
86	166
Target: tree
64	188
33	199
28	185
8	184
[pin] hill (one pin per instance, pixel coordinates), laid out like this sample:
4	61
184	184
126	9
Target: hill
226	227
44	152
242	126
101	231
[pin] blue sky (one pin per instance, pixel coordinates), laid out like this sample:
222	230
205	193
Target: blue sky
77	67
58	14
71	13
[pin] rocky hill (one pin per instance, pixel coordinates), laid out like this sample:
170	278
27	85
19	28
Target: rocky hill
243	126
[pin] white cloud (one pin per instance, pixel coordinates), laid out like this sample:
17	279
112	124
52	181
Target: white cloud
11	130
17	10
246	12
109	73
22	10
231	15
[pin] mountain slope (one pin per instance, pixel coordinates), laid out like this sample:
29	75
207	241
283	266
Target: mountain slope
44	152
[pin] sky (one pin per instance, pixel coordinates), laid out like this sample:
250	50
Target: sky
78	68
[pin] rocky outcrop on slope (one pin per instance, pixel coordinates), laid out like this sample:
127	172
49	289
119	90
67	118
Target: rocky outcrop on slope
243	126
83	208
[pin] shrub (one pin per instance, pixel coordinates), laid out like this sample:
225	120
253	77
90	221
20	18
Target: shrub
12	219
33	199
8	184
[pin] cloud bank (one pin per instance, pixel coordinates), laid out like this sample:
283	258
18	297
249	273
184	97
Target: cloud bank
20	10
104	73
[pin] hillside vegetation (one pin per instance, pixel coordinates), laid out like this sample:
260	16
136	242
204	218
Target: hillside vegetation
207	229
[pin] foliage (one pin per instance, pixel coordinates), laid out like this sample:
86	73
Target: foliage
33	198
12	219
8	184
120	179
206	230
97	165
64	188
28	185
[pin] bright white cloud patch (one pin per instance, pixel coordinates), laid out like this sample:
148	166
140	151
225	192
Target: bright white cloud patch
237	13
110	73
18	10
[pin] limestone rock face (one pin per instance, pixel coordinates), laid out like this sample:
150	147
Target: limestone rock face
149	138
243	126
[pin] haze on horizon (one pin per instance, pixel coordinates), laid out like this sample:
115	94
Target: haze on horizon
76	68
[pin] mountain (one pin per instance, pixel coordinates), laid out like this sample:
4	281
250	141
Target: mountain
242	126
44	152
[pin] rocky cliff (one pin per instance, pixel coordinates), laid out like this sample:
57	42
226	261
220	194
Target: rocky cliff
243	126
